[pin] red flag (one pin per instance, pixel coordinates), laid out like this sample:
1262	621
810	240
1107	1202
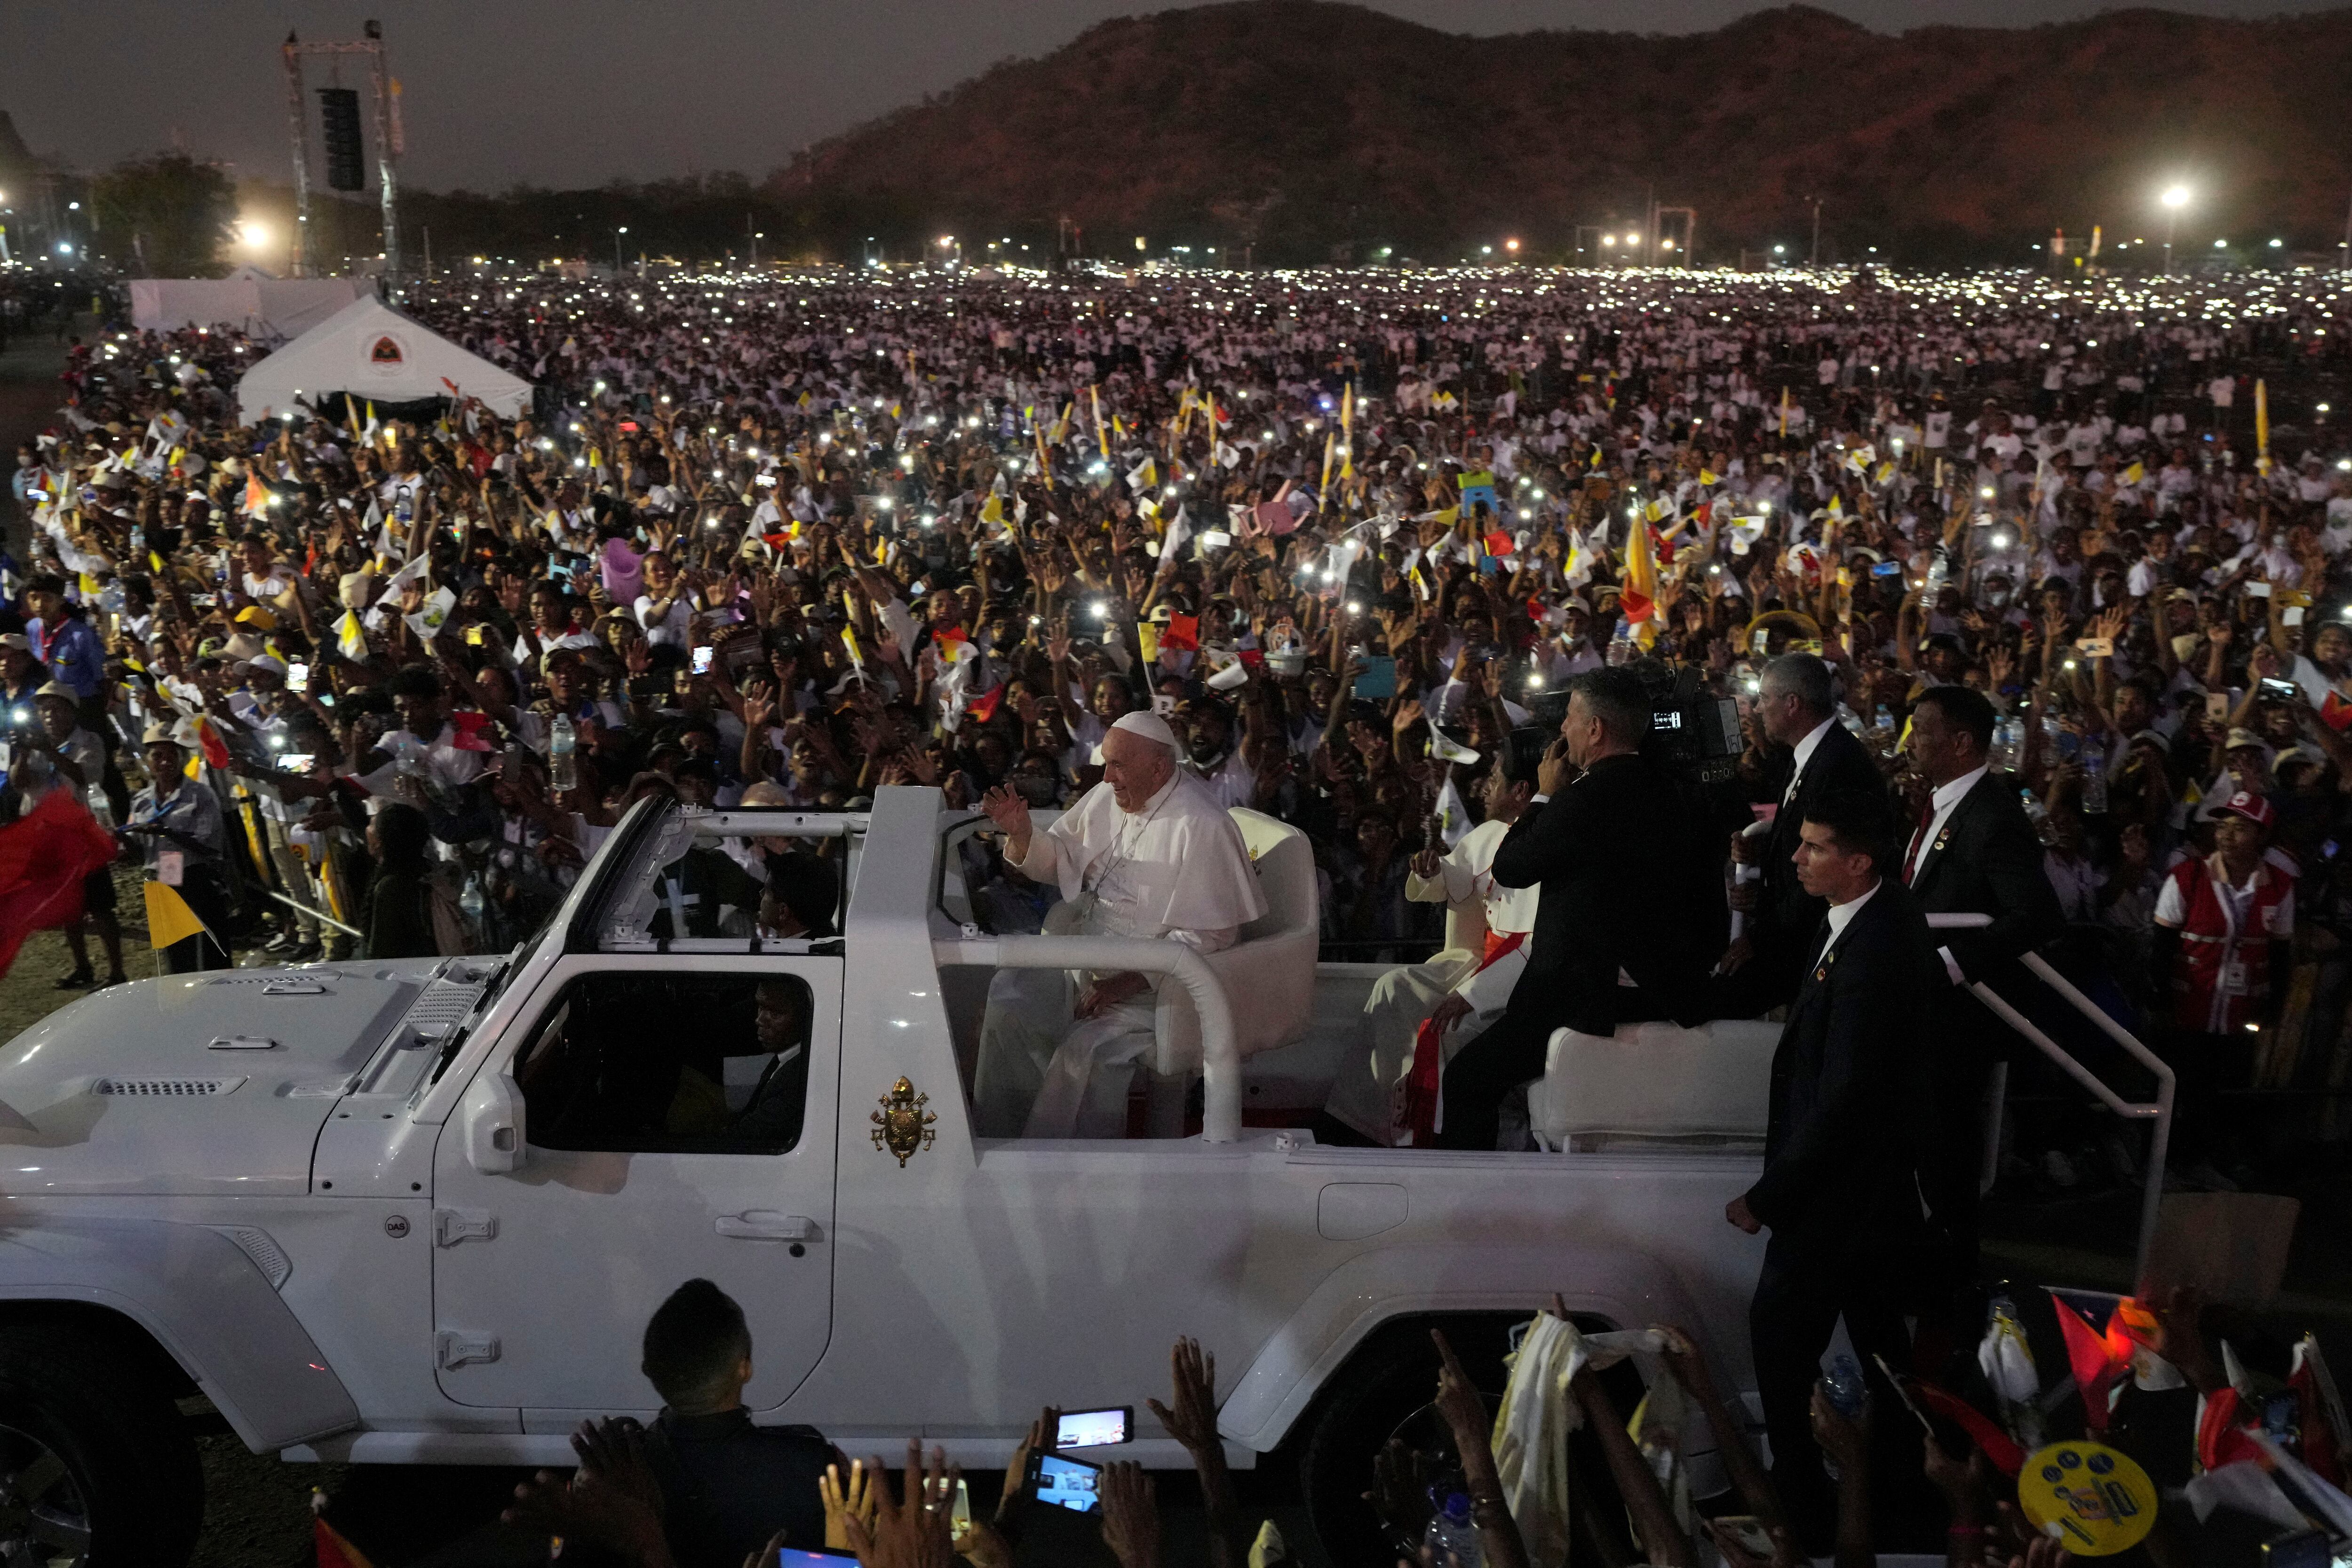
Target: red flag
2334	712
983	707
333	1551
256	494
472	730
1253	658
1497	544
1183	633
2091	1358
1999	1445
44	856
2219	1440
208	742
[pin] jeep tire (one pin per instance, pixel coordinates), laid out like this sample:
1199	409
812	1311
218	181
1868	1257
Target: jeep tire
91	1446
1390	1377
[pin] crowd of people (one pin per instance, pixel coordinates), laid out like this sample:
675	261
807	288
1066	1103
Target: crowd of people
791	538
1987	597
1576	1447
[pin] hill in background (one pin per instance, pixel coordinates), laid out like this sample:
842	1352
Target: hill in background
1314	130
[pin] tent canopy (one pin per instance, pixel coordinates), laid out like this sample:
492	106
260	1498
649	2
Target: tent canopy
247	301
372	351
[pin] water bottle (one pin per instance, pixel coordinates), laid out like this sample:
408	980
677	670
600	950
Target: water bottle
1883	728
1621	643
471	902
96	797
1936	570
2095	778
1844	1380
561	742
1451	1538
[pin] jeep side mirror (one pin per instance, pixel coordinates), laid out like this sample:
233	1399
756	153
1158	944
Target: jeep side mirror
490	1118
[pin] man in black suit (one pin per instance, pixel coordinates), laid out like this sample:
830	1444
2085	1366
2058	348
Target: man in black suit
1797	707
1971	851
1612	852
1838	1190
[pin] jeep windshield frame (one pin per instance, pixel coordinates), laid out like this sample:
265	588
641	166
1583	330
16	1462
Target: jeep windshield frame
611	908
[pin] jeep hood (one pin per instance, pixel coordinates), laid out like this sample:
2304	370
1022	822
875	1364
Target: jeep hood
213	1083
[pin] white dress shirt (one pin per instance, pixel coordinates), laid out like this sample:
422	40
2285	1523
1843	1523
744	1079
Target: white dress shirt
1805	749
1941	805
1841	916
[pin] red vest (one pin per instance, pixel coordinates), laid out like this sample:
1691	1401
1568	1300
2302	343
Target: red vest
2223	971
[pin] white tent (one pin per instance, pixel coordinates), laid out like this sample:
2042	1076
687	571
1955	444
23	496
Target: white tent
372	351
247	301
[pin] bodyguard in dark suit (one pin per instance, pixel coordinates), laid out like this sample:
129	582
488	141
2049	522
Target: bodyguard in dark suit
1972	850
1838	1191
1797	706
1613	855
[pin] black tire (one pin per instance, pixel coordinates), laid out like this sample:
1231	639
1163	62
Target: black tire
1390	1377
84	1427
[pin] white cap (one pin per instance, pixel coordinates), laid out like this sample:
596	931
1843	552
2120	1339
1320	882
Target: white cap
1150	726
268	661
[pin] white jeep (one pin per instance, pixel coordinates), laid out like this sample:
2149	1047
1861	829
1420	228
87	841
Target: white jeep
419	1212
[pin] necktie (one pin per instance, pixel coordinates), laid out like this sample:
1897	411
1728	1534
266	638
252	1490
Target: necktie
1918	841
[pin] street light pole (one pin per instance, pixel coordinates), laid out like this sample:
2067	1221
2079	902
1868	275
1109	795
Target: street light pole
2174	198
1817	231
617	263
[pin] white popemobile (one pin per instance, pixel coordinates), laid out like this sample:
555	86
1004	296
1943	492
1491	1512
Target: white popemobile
419	1212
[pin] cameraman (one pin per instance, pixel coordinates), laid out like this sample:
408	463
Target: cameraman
1607	841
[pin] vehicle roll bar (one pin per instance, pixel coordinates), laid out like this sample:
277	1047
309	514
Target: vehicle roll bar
2157	1111
1221	1062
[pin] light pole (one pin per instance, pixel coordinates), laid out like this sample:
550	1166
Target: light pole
616	248
2174	199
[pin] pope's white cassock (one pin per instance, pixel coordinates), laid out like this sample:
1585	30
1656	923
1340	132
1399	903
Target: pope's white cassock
1175	870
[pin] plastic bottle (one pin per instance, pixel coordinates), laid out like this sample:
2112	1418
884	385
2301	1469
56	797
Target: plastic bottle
1884	726
2095	777
1621	643
471	903
1844	1380
1451	1538
96	797
561	743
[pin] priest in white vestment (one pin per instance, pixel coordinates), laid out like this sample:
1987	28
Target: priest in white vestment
1458	985
1146	853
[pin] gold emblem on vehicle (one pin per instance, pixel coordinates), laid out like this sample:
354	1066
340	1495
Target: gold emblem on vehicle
902	1125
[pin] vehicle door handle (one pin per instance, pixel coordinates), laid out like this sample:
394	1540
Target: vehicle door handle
766	1225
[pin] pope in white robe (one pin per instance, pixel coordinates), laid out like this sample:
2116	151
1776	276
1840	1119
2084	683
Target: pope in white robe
1146	853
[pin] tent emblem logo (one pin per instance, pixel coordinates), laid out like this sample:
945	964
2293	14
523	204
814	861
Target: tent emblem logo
386	355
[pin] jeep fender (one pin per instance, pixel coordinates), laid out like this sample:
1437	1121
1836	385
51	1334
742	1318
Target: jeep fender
198	1296
1628	1289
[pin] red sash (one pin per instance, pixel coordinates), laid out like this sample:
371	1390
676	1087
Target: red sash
1422	1080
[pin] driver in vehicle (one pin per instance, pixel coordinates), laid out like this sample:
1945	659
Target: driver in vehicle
1148	852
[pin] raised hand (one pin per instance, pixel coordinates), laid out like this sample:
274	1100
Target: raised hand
1006	808
1193	1372
914	1532
1131	1523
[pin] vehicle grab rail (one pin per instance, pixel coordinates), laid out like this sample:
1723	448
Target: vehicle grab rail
2157	1111
1221	1064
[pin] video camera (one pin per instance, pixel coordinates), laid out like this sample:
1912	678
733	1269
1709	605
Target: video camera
1693	734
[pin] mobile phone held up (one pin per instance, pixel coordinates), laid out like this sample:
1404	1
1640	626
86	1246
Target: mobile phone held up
1064	1482
1095	1429
702	658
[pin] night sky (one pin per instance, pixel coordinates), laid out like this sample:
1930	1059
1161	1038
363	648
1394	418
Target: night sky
577	92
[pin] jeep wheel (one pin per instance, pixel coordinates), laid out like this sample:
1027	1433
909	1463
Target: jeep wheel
1390	1378
96	1467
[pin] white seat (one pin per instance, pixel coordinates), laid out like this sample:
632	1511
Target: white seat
1269	972
1656	1081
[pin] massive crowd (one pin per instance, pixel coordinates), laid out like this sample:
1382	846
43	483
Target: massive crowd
789	537
390	675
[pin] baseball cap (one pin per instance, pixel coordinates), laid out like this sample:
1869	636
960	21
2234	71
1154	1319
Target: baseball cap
268	661
2239	737
2248	804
